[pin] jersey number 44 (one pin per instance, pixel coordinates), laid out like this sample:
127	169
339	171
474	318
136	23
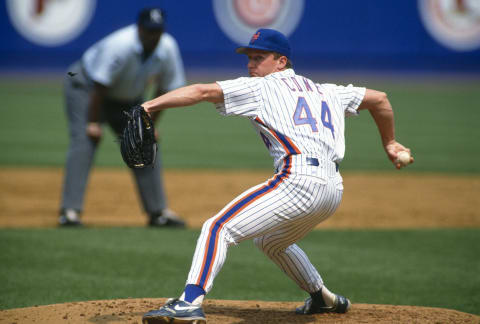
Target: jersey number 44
303	116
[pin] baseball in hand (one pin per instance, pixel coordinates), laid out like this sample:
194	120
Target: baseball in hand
403	157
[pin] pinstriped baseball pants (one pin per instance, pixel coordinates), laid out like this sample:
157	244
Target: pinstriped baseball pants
275	214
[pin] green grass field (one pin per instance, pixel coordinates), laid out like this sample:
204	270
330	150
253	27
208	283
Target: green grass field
437	121
439	268
419	267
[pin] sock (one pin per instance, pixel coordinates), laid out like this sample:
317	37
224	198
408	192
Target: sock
193	294
328	297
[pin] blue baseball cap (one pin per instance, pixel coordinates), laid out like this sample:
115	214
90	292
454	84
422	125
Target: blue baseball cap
268	40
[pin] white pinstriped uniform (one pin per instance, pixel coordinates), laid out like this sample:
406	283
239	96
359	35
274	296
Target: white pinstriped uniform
302	123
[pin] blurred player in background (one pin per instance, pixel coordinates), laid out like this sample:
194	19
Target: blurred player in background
111	76
302	125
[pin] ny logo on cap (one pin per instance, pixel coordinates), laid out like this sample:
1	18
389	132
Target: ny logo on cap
255	37
156	16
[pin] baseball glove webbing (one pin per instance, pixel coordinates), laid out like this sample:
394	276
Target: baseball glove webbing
138	144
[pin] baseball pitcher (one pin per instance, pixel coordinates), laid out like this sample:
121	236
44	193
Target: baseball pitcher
302	124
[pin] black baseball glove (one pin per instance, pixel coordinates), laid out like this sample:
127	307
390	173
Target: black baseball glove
138	144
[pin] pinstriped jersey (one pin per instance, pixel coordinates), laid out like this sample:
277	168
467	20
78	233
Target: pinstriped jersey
293	114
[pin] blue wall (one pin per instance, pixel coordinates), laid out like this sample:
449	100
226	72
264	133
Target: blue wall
334	35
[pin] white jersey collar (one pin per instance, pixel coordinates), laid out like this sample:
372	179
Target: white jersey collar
287	72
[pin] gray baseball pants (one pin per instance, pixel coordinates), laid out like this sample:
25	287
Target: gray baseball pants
81	151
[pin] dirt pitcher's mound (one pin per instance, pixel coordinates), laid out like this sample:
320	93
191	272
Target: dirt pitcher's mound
229	311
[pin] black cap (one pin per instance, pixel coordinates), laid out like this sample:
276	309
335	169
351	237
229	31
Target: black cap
151	18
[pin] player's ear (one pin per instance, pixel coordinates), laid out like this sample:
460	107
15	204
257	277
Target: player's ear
282	62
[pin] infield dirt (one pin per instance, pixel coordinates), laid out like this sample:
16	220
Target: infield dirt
30	198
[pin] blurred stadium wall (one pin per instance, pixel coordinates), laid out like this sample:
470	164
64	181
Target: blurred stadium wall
371	35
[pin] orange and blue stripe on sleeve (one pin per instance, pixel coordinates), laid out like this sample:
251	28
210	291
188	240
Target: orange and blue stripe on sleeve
289	147
217	225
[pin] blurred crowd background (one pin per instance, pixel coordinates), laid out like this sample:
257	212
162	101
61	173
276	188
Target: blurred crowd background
425	36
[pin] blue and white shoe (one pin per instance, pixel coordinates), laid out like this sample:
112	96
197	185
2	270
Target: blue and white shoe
341	305
176	311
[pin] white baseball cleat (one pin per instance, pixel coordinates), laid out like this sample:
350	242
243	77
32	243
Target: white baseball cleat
176	311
